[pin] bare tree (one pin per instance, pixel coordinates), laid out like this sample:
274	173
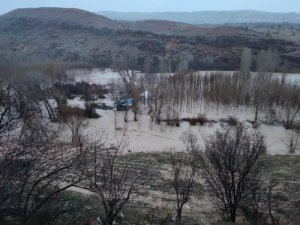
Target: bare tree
259	203
10	118
75	121
246	61
289	111
112	180
136	106
184	168
268	61
44	91
230	164
258	95
293	141
157	102
129	78
35	168
16	107
35	171
114	90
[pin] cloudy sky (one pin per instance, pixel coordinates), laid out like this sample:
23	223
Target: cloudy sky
156	5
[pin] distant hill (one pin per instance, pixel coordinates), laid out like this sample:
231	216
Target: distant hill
207	17
43	34
71	16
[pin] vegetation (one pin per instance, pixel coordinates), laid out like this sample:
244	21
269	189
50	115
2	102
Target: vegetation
231	167
52	171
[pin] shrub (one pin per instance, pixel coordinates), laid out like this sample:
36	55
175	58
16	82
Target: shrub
201	119
67	111
192	121
232	121
173	122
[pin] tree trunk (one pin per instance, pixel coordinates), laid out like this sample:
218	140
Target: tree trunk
135	116
115	119
233	216
256	113
126	116
50	110
179	212
109	220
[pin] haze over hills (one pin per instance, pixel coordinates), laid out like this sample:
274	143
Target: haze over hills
78	35
207	17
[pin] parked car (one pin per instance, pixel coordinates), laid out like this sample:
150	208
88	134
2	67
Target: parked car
125	104
103	106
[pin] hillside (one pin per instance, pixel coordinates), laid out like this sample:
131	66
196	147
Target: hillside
72	16
177	28
77	35
207	17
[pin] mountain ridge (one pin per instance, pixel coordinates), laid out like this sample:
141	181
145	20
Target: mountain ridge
76	35
208	17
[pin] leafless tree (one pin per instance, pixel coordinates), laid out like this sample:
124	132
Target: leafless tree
293	141
157	101
75	121
113	93
268	61
259	93
246	61
16	107
129	78
230	164
149	81
289	111
183	172
112	180
259	203
43	87
9	115
136	106
35	167
35	171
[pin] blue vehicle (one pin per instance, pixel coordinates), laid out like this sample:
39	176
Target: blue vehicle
125	104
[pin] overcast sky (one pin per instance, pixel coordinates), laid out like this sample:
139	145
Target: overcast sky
156	5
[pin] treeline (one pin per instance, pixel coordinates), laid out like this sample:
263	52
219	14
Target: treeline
49	87
22	69
261	92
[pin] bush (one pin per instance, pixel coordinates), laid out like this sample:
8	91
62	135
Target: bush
67	111
232	121
173	122
201	119
192	121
